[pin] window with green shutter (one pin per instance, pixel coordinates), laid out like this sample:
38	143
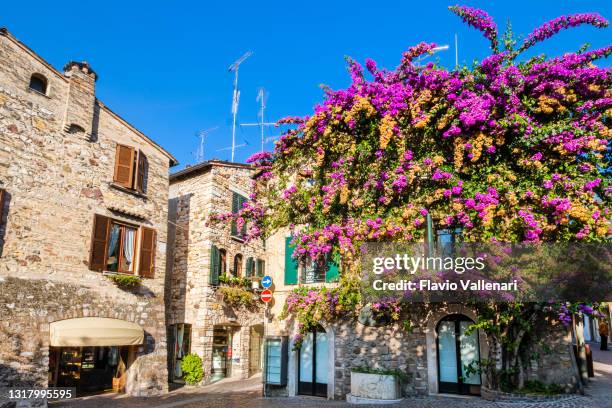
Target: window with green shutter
260	268
250	267
237	204
291	266
214	266
333	273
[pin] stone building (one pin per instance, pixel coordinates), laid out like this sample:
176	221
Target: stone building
84	208
431	353
213	309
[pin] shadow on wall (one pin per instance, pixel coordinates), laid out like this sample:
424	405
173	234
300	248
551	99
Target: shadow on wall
176	267
6	200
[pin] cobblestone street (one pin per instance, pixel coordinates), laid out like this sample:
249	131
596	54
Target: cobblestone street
247	394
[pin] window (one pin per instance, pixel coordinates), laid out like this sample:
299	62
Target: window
446	241
238	266
121	246
313	272
131	168
38	83
237	204
260	268
114	247
250	267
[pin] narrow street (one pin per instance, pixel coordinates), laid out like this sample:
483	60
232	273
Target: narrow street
232	393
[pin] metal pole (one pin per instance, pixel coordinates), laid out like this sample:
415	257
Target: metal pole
235	109
456	52
262	122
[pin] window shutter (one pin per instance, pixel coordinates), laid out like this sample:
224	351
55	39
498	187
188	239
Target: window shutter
250	267
291	267
214	265
124	166
235	208
141	174
146	268
261	267
332	273
241	202
99	238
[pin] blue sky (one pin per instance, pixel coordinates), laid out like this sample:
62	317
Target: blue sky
163	65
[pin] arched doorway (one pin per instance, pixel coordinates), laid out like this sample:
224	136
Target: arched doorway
457	349
313	363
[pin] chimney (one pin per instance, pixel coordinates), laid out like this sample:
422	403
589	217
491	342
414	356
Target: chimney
81	98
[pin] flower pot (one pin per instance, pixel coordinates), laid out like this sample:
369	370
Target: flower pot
375	386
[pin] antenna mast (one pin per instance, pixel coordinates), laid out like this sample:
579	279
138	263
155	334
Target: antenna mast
236	95
203	134
261	98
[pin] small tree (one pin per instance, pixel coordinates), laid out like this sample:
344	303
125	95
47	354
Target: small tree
192	369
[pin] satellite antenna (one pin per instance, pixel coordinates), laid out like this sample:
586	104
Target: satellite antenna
203	134
261	98
236	95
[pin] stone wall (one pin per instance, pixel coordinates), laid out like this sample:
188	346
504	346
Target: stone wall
196	194
58	177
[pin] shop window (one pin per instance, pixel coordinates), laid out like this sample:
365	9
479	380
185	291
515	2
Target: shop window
131	168
38	83
237	266
314	272
237	204
114	247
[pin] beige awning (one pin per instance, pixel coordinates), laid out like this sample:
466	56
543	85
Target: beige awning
95	331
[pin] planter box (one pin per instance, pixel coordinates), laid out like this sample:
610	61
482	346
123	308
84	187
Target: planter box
375	386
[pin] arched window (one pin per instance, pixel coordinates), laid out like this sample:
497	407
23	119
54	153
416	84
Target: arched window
238	265
223	261
38	83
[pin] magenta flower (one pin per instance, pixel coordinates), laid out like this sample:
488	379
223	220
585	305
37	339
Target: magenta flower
480	20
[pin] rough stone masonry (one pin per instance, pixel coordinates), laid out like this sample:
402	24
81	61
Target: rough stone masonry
57	158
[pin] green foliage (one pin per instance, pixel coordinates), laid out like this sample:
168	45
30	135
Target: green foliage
234	281
536	387
125	281
401	375
238	297
192	369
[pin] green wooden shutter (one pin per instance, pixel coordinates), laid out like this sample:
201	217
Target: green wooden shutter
260	267
241	202
333	272
291	267
250	266
235	208
214	265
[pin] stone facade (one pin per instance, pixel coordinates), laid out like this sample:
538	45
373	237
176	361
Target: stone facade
57	159
195	194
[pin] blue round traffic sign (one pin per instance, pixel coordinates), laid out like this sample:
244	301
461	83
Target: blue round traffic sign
266	281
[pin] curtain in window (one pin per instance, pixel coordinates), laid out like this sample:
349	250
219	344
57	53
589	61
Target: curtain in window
128	247
113	240
178	371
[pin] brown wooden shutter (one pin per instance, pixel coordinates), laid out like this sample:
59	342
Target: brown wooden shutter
147	253
124	166
99	239
141	182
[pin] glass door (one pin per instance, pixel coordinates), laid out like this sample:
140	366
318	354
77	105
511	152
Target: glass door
456	351
313	364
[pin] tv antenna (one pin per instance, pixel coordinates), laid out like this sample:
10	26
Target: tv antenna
236	95
203	134
433	50
261	98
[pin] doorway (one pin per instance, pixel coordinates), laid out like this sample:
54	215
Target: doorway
255	349
313	364
456	349
90	370
221	345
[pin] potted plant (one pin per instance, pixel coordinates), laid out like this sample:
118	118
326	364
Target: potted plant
376	384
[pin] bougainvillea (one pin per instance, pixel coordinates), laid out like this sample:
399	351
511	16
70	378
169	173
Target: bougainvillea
510	149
